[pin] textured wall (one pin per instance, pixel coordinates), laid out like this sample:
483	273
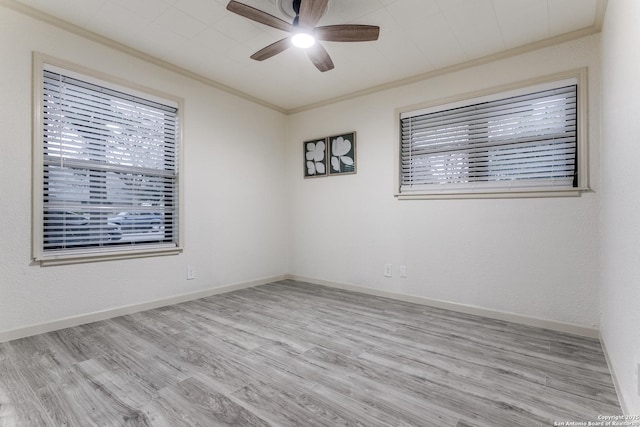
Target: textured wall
534	257
620	218
235	212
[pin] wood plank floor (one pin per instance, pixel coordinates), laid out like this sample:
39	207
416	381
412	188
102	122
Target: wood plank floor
296	354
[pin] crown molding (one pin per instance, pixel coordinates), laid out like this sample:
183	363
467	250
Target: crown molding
563	38
90	35
601	7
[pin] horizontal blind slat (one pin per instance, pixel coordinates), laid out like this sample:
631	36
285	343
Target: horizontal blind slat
527	137
110	167
531	144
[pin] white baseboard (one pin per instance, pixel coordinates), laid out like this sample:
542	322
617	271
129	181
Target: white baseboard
134	308
462	308
626	409
82	319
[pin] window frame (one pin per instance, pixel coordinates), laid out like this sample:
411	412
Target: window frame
93	254
494	93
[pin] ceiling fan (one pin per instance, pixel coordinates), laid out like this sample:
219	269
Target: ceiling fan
304	32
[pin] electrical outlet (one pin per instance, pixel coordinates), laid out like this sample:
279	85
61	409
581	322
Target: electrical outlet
403	271
387	270
191	272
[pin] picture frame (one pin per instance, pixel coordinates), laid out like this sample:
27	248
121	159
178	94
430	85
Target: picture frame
315	153
341	157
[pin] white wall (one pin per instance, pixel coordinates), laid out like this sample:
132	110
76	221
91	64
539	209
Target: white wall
620	216
534	257
236	217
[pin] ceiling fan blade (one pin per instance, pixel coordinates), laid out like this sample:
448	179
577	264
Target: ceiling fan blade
347	33
272	50
311	11
320	58
258	15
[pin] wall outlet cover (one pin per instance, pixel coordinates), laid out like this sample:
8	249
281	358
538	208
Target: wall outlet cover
387	270
191	272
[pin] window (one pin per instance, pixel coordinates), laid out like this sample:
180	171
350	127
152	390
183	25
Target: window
525	141
106	169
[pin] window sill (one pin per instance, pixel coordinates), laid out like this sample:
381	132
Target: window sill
66	258
492	194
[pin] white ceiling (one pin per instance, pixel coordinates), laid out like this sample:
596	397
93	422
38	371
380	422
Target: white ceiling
416	37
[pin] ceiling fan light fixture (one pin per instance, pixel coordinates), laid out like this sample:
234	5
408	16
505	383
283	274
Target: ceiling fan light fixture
303	40
304	32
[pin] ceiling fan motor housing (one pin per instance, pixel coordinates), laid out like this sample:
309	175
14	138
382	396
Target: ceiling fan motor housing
306	14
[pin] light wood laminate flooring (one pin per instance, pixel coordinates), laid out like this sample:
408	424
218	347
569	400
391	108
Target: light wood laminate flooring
296	354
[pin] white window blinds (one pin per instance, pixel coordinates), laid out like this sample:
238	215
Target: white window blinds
110	167
516	142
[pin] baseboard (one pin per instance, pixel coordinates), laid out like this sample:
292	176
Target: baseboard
128	309
626	409
134	308
462	308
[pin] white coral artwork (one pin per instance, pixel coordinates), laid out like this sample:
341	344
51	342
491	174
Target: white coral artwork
315	156
341	154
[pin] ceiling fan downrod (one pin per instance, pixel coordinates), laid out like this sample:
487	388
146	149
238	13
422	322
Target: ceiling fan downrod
296	9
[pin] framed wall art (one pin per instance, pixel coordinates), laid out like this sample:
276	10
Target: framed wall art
315	158
342	154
